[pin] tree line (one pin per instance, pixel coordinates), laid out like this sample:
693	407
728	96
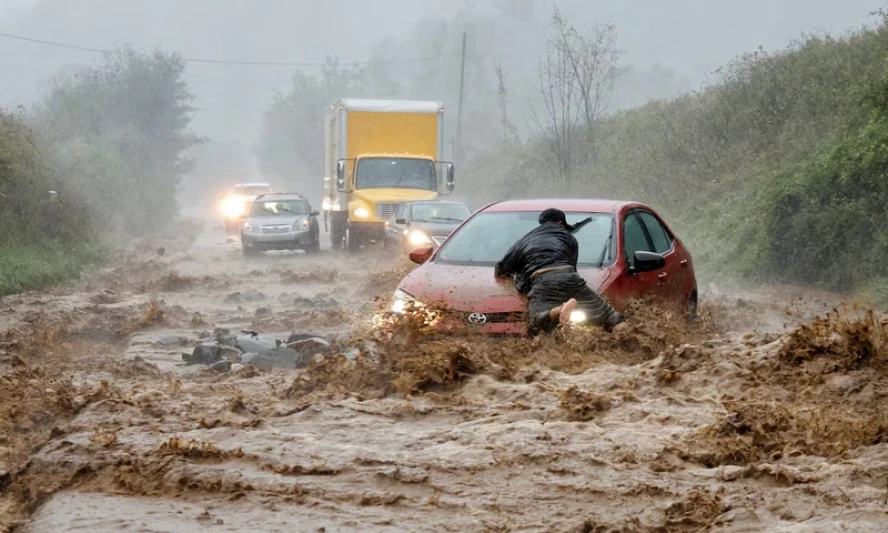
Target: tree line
94	162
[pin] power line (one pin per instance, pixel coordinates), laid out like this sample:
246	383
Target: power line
217	61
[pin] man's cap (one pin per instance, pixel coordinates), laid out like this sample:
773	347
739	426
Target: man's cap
554	215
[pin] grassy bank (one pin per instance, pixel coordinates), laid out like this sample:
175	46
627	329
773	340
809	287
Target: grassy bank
778	171
32	266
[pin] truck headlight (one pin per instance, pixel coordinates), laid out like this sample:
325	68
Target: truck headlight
577	317
361	212
399	301
418	238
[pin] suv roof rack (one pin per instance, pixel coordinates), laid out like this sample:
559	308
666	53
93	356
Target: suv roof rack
280	194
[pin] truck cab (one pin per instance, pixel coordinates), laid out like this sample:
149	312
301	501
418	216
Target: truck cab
380	154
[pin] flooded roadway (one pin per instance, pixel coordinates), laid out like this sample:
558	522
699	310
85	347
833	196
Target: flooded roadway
741	431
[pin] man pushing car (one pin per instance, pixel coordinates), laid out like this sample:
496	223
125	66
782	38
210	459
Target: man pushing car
544	266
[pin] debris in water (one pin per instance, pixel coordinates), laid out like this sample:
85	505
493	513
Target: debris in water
203	354
247	296
221	366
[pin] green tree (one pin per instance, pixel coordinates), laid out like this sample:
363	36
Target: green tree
118	132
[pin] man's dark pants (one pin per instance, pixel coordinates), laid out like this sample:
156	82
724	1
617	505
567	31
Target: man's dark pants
551	289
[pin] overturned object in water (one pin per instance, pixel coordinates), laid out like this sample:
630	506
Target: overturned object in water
203	354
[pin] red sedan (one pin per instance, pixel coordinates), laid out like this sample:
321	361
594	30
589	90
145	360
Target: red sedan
627	252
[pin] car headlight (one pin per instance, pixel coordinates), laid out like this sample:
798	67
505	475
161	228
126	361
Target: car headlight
301	224
577	317
361	212
248	228
399	301
330	205
418	238
233	206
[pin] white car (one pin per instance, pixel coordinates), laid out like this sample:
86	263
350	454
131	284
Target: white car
237	202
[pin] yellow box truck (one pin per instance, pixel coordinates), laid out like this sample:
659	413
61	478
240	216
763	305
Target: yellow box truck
379	154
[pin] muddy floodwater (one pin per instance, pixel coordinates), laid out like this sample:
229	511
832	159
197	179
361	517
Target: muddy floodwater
759	418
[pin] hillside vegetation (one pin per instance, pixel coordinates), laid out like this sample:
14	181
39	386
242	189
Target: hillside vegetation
109	140
774	172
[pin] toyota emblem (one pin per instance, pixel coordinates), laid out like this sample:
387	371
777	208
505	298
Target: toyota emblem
477	319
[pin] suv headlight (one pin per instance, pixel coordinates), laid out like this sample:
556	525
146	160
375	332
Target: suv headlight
301	224
399	301
418	238
248	228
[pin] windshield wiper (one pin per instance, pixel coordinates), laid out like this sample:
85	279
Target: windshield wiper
448	219
606	247
284	209
403	172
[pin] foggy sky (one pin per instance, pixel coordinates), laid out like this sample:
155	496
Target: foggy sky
689	37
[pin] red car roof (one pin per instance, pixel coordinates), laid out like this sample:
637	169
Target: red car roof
566	205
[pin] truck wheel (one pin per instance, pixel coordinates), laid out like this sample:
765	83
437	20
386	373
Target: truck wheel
354	241
337	236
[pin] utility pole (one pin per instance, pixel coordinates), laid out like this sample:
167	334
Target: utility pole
462	81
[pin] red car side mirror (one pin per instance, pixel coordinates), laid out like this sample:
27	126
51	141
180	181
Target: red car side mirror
421	255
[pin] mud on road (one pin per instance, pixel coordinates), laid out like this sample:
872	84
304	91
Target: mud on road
760	418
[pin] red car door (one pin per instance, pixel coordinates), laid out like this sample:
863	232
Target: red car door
657	284
670	280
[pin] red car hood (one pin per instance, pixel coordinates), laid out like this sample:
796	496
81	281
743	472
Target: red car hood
473	288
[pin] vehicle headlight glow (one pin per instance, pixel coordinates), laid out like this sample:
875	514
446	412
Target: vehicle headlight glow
330	205
577	317
233	206
400	300
302	224
418	238
248	228
361	212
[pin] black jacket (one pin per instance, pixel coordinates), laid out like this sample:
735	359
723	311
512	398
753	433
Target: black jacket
548	245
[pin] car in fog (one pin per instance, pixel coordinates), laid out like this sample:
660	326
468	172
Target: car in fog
627	252
236	202
280	221
425	223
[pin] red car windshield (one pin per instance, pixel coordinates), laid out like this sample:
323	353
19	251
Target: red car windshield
486	237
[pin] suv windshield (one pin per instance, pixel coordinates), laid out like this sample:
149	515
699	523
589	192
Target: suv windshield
486	238
439	212
279	207
396	173
251	190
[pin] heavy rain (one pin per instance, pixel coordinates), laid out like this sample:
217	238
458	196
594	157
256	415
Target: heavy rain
248	256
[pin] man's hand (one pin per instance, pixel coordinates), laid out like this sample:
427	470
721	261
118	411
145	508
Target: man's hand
622	326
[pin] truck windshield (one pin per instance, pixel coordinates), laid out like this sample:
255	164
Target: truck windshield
396	173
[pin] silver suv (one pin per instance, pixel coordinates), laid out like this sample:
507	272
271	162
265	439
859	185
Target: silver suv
280	221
